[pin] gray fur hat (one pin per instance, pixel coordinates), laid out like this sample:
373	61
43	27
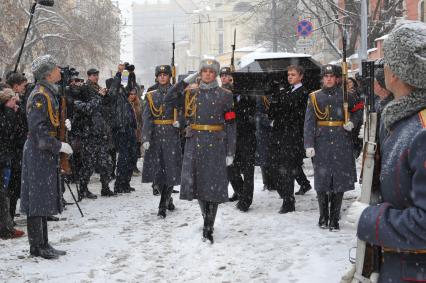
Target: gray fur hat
210	64
405	52
42	66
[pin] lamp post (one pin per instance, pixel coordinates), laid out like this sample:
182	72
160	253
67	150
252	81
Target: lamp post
362	53
48	3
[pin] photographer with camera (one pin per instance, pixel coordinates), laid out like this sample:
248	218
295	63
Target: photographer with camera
123	127
93	133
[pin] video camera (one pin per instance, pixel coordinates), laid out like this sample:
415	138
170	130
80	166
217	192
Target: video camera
128	67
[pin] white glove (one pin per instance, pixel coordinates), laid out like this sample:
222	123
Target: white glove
68	124
145	145
355	211
272	123
66	148
361	132
229	160
176	124
348	126
310	152
191	78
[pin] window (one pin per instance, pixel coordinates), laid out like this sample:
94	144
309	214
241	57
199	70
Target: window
422	11
220	43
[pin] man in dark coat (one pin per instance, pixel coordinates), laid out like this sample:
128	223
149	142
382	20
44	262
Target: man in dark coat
210	140
9	133
398	224
18	83
241	172
328	139
287	112
161	140
263	133
123	127
40	187
94	135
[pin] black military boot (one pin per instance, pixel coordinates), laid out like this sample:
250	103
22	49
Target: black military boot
85	193
106	192
303	189
170	205
335	206
38	246
162	207
288	205
323	209
211	211
46	241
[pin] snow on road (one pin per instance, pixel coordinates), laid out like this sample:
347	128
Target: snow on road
121	239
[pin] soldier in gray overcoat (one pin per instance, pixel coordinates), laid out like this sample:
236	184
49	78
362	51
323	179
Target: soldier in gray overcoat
328	140
41	191
210	140
398	224
160	138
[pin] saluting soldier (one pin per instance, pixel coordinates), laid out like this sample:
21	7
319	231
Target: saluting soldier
161	140
398	224
41	191
328	140
210	140
241	172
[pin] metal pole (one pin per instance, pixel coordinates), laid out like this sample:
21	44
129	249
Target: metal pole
274	26
26	34
362	53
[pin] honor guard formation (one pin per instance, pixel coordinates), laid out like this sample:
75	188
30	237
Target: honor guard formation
203	135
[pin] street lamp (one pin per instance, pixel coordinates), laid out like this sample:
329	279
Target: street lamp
48	3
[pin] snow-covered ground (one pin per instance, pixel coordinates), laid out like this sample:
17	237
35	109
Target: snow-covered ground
121	239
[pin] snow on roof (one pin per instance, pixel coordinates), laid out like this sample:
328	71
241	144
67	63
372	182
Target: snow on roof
353	56
382	37
371	50
250	58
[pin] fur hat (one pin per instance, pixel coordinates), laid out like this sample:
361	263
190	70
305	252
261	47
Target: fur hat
163	69
5	95
405	52
210	64
43	66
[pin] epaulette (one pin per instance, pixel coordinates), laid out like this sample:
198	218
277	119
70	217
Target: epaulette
314	92
422	116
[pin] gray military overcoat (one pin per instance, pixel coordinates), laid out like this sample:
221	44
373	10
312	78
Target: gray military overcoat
40	189
204	172
163	160
399	223
334	163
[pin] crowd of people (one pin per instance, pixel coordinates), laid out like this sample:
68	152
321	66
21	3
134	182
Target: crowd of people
203	136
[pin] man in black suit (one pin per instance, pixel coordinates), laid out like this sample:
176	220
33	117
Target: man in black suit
287	112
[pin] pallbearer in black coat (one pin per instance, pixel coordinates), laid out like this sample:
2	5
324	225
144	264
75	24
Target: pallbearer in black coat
287	112
241	172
